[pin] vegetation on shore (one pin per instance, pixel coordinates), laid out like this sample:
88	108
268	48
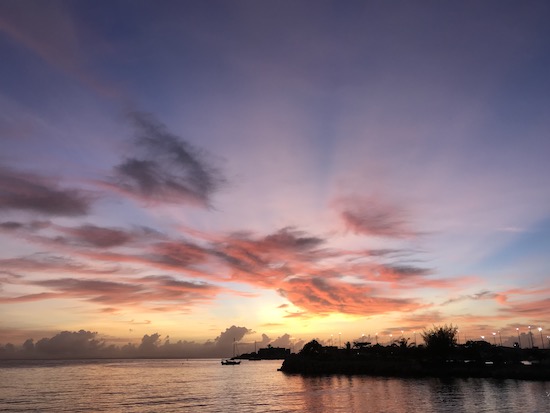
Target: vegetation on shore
440	356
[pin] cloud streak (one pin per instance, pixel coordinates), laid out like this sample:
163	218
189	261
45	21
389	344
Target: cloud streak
146	292
21	191
370	216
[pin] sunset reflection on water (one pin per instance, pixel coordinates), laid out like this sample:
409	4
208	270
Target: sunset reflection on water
206	386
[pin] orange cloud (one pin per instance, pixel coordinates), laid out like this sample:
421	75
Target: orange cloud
321	296
315	279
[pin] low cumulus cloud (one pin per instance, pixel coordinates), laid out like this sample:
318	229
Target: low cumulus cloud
22	191
88	344
165	167
231	335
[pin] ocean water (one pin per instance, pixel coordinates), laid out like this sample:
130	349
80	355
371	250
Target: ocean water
257	386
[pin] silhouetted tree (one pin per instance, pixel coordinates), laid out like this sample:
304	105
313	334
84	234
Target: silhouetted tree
312	348
440	340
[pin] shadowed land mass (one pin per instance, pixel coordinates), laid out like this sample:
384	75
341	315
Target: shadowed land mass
440	357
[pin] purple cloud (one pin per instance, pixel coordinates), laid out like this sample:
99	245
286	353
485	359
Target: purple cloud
165	167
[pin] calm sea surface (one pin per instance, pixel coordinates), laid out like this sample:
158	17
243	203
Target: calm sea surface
207	386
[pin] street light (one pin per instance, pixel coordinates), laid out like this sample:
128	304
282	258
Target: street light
541	339
457	336
519	338
376	338
495	339
339	340
531	337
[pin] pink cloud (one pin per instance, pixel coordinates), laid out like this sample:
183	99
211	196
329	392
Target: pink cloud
294	263
373	217
142	292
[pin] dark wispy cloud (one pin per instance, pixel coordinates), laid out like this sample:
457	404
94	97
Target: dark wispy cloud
89	235
482	295
101	237
47	263
9	226
370	216
165	167
22	191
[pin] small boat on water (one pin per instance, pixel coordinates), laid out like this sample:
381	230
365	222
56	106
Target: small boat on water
230	362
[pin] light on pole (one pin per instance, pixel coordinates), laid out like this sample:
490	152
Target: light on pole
495	339
531	336
519	338
339	340
483	337
541	339
457	336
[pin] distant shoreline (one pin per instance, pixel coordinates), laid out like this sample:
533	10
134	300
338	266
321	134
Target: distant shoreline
476	360
403	369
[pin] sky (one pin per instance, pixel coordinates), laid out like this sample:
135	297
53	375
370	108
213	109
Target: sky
273	171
